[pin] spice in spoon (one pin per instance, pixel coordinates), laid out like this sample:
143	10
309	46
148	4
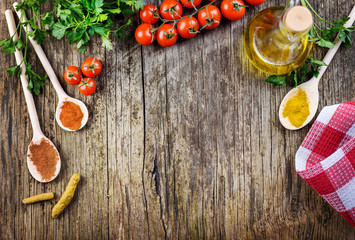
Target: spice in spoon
71	115
297	108
45	158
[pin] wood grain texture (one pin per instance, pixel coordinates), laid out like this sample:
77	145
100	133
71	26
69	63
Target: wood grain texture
182	143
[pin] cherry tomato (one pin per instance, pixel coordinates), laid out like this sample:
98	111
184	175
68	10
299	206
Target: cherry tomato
149	14
232	9
144	34
87	86
167	35
212	19
91	67
188	27
72	75
255	2
190	3
171	9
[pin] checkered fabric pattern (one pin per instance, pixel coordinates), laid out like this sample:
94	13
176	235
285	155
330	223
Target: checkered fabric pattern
326	158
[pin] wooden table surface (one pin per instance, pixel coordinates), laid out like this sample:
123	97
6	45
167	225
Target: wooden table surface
182	142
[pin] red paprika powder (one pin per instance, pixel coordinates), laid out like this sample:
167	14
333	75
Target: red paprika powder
45	158
71	115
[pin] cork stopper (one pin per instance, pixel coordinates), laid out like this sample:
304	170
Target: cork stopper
298	19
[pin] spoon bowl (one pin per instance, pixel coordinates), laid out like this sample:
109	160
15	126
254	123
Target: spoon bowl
311	90
83	109
37	138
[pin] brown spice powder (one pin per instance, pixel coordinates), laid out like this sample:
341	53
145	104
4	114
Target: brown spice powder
71	115
44	157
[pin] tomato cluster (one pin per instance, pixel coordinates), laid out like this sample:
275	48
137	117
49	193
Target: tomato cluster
171	11
90	68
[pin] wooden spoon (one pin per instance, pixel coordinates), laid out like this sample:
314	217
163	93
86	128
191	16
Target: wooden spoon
311	87
37	132
53	78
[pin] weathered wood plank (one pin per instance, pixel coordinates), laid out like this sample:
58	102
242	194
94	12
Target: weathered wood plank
182	143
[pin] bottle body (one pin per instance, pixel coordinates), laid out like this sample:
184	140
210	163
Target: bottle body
271	47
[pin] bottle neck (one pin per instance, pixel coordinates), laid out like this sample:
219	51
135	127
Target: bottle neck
295	21
291	36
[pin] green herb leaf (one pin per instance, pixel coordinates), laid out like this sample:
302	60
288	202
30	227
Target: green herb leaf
39	35
9	46
276	80
35	81
14	71
19	44
58	30
318	62
325	43
48	19
106	42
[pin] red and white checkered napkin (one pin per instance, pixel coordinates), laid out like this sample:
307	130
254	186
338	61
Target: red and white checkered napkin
326	158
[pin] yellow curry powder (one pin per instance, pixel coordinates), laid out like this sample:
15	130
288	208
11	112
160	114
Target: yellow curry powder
297	108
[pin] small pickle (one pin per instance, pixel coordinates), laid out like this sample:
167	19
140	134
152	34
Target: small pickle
67	196
38	198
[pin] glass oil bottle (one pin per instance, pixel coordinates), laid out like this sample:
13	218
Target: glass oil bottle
276	40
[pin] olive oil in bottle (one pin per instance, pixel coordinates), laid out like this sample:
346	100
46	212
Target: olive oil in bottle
276	40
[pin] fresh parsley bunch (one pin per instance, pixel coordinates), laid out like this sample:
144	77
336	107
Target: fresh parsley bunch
323	37
77	20
81	19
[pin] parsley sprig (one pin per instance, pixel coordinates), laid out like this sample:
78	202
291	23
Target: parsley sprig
323	36
77	20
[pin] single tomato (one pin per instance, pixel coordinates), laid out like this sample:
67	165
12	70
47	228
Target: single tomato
190	3
255	2
144	34
211	19
232	9
87	86
167	35
72	75
149	14
91	67
188	27
171	9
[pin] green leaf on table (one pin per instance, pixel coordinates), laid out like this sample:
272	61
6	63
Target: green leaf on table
106	42
318	62
3	42
75	36
9	46
339	23
19	44
276	80
48	19
325	43
58	30
115	11
345	36
39	35
121	33
14	71
98	29
35	81
102	17
126	10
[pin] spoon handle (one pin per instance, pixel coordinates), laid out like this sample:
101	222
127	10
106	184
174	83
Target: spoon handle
41	55
330	54
19	60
